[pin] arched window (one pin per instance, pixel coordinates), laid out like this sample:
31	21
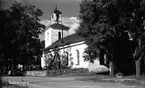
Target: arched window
59	35
47	36
67	58
78	57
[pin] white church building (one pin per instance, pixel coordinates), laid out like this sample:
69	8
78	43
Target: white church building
59	37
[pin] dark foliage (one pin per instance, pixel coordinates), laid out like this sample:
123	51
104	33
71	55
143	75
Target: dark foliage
117	27
19	36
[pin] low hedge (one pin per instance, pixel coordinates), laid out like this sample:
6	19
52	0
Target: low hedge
36	73
55	72
65	71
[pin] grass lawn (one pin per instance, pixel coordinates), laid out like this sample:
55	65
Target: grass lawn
126	80
106	78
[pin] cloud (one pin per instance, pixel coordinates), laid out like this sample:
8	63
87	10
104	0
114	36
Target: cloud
72	22
45	22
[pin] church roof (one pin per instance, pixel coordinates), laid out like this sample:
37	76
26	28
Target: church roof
74	38
59	26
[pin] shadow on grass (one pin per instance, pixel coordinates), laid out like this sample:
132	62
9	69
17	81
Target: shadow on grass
103	73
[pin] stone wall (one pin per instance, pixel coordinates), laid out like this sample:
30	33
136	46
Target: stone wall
36	73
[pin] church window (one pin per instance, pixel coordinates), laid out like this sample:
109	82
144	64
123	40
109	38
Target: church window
67	58
47	36
78	57
59	35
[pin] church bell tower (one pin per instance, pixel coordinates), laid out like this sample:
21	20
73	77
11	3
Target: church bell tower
56	16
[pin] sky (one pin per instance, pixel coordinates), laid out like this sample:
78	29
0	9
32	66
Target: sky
69	8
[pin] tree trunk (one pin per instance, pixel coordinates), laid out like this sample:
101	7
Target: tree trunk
137	62
111	58
138	69
111	69
101	57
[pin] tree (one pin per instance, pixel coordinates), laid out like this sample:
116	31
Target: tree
20	29
106	23
97	30
131	20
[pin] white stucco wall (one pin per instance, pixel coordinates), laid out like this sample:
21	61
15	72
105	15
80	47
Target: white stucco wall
54	34
80	48
72	51
48	35
51	35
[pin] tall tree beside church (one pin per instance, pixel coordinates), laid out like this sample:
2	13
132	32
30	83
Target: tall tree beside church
19	33
130	16
97	28
106	20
